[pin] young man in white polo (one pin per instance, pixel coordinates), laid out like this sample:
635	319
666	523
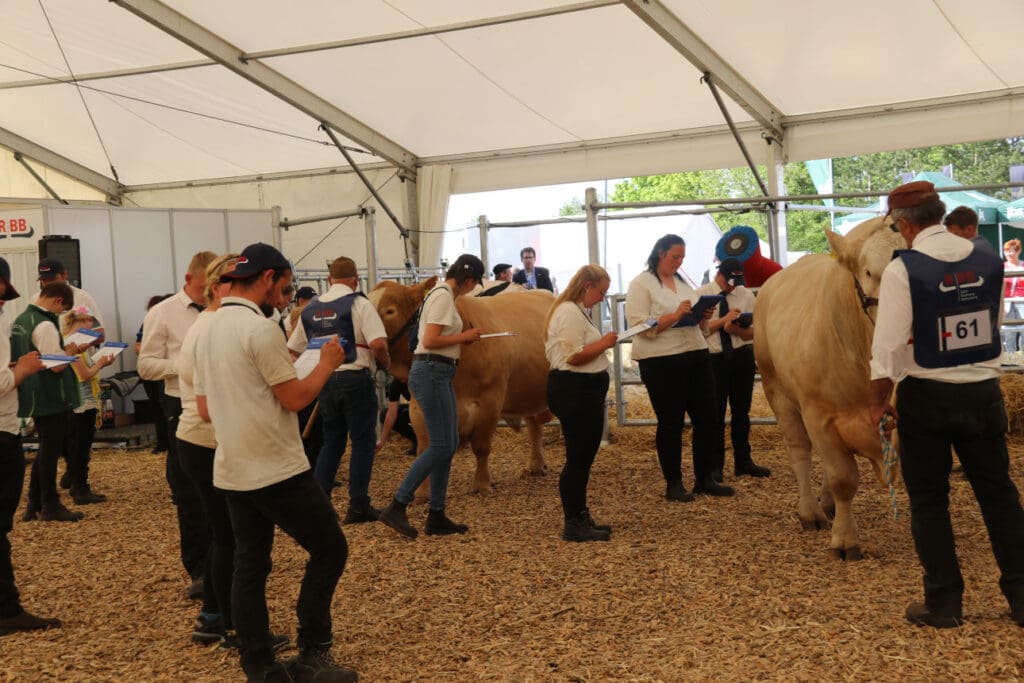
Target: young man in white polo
246	385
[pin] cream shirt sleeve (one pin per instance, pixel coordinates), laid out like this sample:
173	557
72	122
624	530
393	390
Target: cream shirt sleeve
298	342
889	346
46	338
369	324
638	303
153	363
271	355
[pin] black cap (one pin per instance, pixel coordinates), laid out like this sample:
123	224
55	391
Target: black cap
255	259
50	268
732	270
501	268
305	293
5	275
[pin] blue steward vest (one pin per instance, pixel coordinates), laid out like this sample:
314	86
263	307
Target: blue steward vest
955	307
321	319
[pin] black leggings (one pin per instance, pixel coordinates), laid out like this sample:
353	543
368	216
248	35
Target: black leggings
578	400
679	384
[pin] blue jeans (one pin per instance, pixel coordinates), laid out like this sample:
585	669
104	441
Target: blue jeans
431	384
348	408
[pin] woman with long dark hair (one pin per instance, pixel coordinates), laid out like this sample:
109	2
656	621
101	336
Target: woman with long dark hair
675	367
431	380
577	390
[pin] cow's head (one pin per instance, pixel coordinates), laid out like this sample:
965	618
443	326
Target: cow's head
865	251
396	304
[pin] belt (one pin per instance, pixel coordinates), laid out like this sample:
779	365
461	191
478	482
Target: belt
360	371
435	358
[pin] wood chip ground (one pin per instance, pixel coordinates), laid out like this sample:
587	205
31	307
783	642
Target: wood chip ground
716	589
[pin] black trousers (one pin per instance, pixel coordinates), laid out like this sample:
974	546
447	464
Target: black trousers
12	478
935	416
193	528
315	441
734	386
197	461
155	393
55	438
83	429
403	424
300	507
677	385
578	400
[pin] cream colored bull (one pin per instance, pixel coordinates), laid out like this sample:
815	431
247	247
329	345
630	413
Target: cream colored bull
501	377
813	348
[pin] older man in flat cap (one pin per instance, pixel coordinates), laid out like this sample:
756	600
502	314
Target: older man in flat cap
943	295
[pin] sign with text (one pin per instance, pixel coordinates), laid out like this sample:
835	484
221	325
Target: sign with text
21	223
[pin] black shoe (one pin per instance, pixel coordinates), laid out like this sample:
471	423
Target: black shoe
676	491
361	515
56	512
595	525
439	525
158	449
751	470
712	488
919	614
208	631
229	641
86	496
1017	614
65	480
578	530
394	516
195	589
316	665
23	621
275	672
717	475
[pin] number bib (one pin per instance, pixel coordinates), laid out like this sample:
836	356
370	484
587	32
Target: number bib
956	308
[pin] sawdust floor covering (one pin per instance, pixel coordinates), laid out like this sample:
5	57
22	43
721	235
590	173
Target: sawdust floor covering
716	589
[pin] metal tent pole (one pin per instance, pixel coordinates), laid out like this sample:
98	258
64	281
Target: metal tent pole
485	254
370	223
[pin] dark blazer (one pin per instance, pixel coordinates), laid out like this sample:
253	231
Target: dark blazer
543	279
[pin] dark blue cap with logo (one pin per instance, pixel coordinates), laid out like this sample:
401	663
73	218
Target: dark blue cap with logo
5	274
255	259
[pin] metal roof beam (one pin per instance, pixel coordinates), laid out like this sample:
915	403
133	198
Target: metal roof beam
223	52
690	45
71	169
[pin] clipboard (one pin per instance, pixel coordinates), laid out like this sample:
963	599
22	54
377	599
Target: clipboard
83	337
309	358
744	319
109	348
697	310
648	324
55	361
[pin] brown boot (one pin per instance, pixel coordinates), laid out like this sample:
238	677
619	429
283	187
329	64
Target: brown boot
56	512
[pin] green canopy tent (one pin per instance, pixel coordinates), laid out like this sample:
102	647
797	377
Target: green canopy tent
1011	221
986	207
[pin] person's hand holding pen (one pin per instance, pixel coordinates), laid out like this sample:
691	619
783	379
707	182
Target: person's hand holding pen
470	334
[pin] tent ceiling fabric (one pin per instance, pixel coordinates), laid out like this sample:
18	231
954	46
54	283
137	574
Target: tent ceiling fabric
594	92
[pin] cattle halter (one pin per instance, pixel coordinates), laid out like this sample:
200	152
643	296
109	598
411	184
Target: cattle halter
866	302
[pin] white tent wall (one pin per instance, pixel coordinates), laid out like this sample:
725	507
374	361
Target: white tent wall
302	197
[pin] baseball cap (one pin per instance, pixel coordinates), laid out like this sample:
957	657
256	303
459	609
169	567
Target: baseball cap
732	270
5	275
50	268
501	268
305	293
255	259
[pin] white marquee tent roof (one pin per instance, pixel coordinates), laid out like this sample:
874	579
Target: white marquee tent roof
554	91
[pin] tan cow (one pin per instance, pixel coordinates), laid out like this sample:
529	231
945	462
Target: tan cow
813	348
500	377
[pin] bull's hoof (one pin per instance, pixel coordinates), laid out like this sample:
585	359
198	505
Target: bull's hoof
851	554
829	510
535	472
484	490
815	524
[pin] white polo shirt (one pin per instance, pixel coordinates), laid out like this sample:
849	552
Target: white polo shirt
648	298
741	298
9	421
365	321
569	330
191	427
163	330
439	309
240	357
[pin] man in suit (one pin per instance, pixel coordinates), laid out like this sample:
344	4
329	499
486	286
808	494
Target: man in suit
532	276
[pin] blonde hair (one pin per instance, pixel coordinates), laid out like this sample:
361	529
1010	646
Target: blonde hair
293	316
214	269
76	315
590	274
1012	244
199	262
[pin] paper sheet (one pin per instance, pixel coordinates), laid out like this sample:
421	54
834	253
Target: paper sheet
308	359
637	329
53	361
113	349
83	337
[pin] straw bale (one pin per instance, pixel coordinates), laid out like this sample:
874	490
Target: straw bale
717	589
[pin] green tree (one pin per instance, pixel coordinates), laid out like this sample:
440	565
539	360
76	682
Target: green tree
573	207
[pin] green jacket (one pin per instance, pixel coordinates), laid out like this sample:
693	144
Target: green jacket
44	393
